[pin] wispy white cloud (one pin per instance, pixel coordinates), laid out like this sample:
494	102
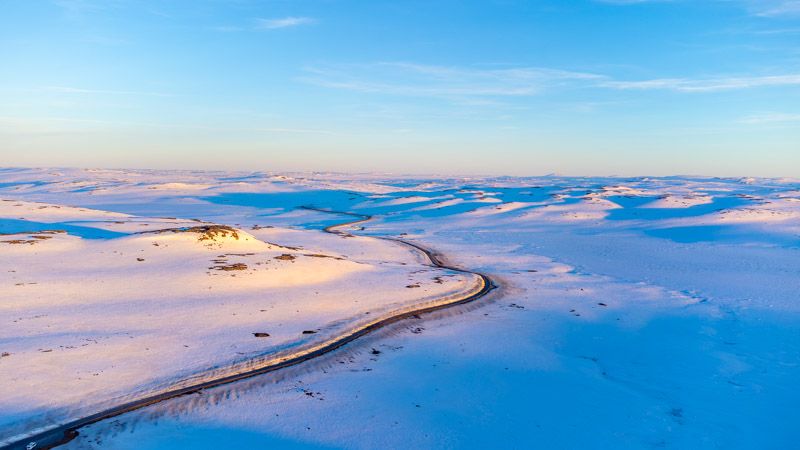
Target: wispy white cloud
284	22
762	8
266	24
409	79
75	6
775	8
771	118
74	90
771	32
706	84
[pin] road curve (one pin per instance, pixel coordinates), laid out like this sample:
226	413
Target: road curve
54	437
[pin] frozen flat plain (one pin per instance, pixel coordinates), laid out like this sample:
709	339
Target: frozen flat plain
632	312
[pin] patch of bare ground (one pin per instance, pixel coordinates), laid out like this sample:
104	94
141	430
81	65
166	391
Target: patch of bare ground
32	233
19	241
230	267
206	232
317	255
33	238
283	246
211	232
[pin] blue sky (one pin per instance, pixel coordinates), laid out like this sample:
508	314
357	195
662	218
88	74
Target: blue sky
626	87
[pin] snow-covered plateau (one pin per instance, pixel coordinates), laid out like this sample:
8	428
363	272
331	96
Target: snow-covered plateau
629	312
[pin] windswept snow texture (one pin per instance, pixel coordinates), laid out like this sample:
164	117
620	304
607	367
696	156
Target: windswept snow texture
102	307
632	313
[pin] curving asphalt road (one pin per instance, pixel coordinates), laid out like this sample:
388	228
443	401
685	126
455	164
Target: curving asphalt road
64	433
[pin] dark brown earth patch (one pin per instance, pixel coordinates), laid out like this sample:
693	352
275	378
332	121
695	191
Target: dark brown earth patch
317	255
230	267
206	232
